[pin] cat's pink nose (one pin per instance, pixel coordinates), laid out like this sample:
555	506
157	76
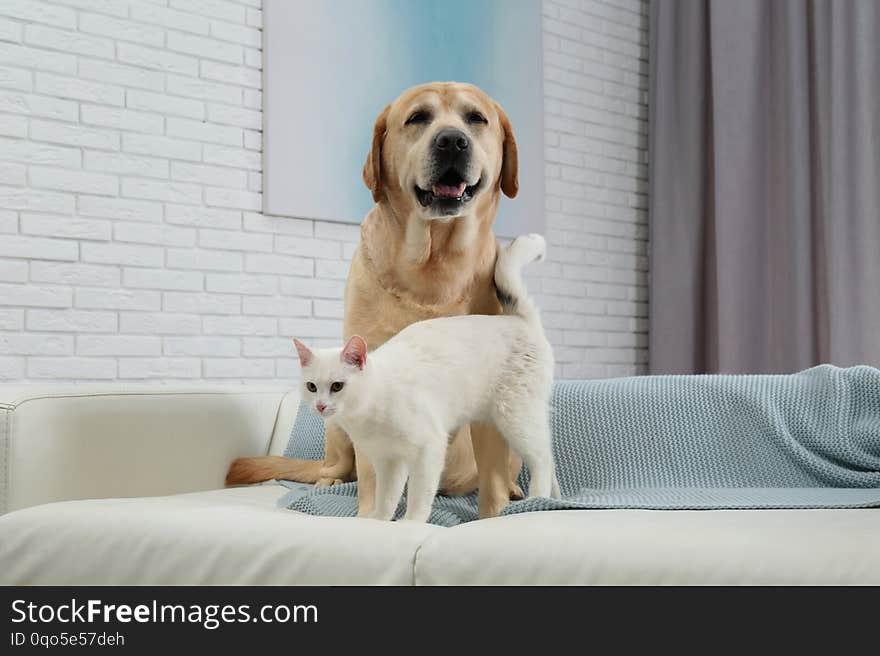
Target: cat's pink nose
321	407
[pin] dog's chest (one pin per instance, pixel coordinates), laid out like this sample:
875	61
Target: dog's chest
389	313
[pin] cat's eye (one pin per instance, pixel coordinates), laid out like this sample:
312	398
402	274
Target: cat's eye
475	117
335	387
311	387
418	117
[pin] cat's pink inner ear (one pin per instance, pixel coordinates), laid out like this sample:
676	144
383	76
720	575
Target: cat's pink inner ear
305	355
355	352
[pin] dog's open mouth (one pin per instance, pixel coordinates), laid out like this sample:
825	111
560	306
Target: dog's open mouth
449	188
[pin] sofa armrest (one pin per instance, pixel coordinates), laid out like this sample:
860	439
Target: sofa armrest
74	442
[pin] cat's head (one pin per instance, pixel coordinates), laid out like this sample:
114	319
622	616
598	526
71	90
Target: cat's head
327	372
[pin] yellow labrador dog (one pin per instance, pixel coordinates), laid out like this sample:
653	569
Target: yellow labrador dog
441	156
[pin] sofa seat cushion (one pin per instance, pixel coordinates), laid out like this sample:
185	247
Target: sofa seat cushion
231	536
622	547
239	536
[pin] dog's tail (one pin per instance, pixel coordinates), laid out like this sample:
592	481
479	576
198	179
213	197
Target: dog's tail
509	285
266	468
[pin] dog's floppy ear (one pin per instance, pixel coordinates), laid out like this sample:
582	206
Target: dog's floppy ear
373	165
510	158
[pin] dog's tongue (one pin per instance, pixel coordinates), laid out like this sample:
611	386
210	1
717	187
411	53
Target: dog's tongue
449	191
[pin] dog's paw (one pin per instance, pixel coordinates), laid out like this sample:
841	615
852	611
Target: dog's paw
516	492
328	482
491	507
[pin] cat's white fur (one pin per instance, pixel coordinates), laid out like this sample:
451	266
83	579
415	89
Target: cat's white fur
400	403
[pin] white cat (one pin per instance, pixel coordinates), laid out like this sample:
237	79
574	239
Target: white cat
401	404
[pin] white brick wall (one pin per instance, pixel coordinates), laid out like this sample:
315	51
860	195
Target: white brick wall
131	241
594	286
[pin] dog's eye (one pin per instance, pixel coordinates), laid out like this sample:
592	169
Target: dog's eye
475	117
417	117
335	387
312	387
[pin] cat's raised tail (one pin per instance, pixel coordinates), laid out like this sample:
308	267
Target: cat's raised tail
509	285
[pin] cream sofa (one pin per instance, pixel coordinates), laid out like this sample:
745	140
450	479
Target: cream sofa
124	485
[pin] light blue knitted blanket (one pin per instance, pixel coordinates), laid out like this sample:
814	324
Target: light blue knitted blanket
805	440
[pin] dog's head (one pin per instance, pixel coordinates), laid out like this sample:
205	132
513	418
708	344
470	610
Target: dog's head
440	147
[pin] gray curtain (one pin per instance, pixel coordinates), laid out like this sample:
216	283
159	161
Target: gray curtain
765	185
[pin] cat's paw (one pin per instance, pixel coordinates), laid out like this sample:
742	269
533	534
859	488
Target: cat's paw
328	482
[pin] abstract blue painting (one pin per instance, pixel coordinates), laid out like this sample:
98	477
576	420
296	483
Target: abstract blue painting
330	68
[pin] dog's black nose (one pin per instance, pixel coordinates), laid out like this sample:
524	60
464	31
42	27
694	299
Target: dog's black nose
451	139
